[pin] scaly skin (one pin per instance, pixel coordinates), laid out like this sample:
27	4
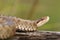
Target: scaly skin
9	25
28	25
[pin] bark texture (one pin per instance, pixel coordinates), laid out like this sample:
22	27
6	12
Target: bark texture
37	35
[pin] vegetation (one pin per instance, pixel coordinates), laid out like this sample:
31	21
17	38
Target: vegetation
32	9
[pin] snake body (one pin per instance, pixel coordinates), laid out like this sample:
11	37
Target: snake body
9	25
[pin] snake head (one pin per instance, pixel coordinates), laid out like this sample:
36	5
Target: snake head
42	21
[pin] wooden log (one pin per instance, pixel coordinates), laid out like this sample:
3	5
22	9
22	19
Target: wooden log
37	35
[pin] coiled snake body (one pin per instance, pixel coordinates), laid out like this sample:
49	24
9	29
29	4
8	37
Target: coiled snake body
9	25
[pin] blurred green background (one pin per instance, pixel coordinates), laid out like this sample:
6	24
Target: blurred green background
34	9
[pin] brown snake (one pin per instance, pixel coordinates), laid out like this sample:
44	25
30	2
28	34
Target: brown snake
9	25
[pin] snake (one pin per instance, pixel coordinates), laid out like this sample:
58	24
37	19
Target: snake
10	24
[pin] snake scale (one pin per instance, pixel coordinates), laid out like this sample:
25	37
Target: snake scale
9	25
